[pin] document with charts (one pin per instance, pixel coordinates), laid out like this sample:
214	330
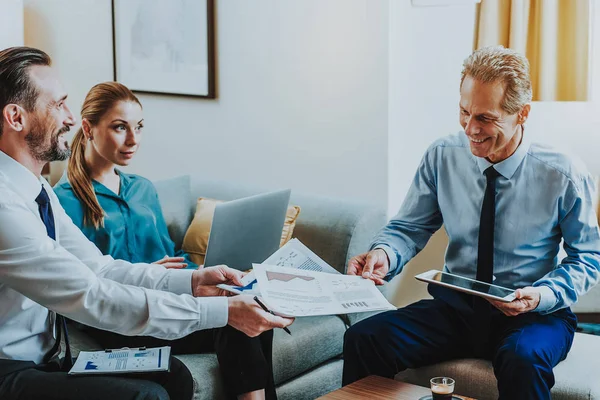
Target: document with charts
119	361
293	254
297	292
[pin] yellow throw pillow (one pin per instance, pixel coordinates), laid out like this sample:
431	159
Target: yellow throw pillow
196	237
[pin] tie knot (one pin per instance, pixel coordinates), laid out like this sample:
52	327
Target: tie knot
491	173
42	198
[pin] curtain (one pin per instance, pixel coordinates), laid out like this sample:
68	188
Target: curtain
553	34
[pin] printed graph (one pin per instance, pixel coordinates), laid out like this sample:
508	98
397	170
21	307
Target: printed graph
283	277
355	305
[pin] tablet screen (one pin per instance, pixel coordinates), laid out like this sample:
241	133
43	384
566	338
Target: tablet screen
472	285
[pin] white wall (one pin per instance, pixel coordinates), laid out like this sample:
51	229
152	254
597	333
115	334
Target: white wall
302	99
11	23
427	48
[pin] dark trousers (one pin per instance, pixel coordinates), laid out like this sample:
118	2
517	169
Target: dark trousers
31	382
523	349
245	363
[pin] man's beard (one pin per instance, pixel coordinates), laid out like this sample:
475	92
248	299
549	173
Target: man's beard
43	151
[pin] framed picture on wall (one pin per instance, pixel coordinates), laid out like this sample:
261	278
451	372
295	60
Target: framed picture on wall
165	46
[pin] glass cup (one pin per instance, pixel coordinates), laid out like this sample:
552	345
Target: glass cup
442	388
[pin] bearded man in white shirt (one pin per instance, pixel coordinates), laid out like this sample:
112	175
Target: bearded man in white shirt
48	268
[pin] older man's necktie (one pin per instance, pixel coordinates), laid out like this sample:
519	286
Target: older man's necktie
485	256
47	216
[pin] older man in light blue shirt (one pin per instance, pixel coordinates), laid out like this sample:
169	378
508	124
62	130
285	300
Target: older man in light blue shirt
537	197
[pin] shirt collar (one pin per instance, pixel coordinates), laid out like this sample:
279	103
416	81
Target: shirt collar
99	188
508	167
125	180
22	180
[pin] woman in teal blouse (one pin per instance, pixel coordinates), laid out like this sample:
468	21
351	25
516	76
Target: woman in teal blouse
134	228
121	214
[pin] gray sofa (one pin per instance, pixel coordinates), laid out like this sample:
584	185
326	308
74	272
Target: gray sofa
577	377
308	363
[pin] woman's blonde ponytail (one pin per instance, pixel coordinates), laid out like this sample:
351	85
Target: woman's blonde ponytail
79	178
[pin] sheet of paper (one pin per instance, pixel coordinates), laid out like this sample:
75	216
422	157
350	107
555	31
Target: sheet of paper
122	361
293	254
300	293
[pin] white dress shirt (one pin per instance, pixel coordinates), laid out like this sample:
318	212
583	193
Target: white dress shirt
70	276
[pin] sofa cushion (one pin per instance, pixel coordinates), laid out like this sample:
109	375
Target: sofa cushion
576	376
195	241
314	383
204	368
313	341
174	196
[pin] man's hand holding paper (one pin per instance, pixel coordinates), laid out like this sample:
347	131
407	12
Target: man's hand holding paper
373	265
244	313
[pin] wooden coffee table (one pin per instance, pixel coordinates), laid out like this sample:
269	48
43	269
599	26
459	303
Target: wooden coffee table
378	388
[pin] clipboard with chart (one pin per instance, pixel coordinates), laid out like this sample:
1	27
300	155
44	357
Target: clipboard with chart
121	361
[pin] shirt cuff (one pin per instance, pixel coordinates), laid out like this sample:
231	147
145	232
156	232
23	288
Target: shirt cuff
547	298
214	312
180	281
391	256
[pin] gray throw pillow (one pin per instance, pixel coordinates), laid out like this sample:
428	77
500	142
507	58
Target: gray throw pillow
175	199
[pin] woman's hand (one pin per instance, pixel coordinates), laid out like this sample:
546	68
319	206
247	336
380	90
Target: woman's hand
171	262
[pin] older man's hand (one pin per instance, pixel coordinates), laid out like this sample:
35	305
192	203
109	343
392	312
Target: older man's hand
526	299
205	280
373	265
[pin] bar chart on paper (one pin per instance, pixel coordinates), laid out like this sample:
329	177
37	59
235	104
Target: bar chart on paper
299	292
122	361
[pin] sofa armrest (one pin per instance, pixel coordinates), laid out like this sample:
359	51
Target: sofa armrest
588	303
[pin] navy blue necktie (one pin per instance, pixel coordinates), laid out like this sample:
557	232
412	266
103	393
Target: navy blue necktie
47	216
485	256
485	248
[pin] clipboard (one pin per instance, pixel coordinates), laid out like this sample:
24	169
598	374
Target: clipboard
122	361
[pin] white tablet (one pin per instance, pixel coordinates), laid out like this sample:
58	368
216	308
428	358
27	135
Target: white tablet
467	285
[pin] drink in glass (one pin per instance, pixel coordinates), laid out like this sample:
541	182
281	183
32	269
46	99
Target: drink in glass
442	388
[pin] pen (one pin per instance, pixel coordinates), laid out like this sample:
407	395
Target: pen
269	311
